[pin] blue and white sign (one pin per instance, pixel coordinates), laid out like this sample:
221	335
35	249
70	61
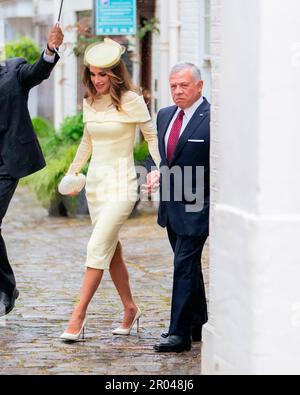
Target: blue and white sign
115	17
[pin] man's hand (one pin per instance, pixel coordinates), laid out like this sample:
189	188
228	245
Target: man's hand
153	182
55	39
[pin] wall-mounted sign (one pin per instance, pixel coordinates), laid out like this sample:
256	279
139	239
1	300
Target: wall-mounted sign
115	17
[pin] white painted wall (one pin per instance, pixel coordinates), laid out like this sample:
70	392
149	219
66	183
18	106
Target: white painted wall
192	39
17	9
181	40
254	249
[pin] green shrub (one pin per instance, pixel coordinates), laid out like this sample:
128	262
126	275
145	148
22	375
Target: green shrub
71	129
141	152
59	150
51	145
45	182
23	48
42	127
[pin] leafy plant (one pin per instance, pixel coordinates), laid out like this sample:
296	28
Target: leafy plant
42	127
141	152
24	48
59	150
148	26
44	183
72	128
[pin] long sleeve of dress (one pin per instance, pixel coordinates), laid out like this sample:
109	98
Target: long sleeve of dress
83	153
136	106
150	136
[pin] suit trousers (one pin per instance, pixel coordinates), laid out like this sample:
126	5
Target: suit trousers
8	186
189	308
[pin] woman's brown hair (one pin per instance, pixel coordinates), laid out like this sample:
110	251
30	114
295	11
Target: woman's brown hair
120	82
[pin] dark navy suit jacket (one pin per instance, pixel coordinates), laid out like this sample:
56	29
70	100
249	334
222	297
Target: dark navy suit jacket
19	147
192	150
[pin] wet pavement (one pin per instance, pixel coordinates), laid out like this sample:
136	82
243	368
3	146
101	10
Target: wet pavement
48	256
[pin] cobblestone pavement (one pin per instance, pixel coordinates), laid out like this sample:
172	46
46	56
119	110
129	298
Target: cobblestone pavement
48	257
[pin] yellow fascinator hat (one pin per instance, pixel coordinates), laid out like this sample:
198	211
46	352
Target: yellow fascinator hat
103	55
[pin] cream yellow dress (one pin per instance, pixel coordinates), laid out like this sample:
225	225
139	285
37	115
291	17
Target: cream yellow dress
111	184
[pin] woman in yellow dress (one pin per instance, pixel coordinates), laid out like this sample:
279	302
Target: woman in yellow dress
111	113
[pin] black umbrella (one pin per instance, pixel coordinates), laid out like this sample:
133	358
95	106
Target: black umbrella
61	6
58	21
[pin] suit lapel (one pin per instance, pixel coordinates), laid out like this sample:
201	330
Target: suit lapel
193	124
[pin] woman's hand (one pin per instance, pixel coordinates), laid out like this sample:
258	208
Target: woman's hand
153	182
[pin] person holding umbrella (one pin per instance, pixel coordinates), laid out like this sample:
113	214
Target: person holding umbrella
20	152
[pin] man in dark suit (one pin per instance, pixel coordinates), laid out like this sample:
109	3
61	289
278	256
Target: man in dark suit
20	152
184	140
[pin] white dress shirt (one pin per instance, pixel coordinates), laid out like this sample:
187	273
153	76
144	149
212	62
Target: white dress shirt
188	114
49	58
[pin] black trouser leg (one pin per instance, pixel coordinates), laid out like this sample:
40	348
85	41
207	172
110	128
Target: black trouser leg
188	298
8	186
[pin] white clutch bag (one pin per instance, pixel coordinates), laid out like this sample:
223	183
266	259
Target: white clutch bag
71	183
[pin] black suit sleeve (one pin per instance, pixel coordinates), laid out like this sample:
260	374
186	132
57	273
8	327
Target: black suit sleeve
31	75
150	165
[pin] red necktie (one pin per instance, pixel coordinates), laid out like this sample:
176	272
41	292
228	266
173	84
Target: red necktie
174	135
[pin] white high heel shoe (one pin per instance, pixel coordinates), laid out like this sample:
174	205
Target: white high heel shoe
126	331
71	337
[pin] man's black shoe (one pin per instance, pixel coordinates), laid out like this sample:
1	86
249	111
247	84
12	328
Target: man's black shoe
7	303
173	344
196	335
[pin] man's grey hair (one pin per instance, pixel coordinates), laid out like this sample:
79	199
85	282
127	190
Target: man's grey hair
183	66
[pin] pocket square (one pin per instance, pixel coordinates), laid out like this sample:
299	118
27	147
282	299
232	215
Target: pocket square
196	141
